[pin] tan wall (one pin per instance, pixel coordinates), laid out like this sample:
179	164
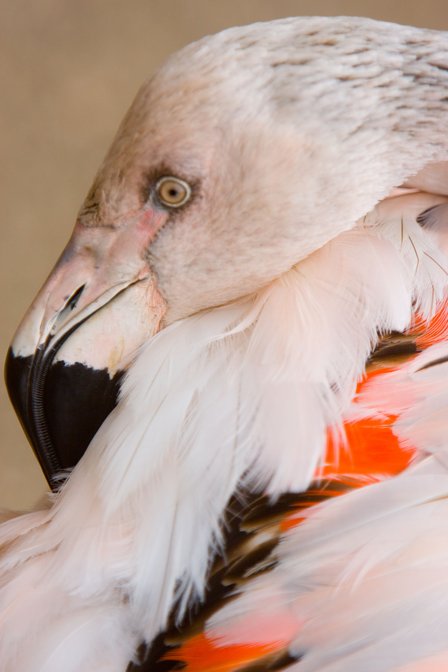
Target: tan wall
68	70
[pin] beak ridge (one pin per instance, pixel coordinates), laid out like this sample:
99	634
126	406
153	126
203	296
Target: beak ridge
64	367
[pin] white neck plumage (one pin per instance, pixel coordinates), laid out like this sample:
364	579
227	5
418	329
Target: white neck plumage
241	394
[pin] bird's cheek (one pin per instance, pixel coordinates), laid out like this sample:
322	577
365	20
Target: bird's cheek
73	346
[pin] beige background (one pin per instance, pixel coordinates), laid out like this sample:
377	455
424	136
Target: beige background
68	70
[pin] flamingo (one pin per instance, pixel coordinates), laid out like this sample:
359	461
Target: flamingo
235	377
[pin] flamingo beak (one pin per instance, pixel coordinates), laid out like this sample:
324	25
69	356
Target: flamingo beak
65	364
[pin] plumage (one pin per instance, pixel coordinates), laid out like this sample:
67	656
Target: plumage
270	490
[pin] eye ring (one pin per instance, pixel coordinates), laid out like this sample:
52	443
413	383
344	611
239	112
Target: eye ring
172	192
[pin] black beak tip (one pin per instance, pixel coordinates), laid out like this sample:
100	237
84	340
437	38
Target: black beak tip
17	374
60	407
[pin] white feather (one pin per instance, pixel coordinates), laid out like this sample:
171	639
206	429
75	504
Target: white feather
243	392
364	577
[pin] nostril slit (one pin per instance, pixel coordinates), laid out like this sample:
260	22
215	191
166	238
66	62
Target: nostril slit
428	216
74	298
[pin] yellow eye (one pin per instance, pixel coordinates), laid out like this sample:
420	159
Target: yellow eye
173	192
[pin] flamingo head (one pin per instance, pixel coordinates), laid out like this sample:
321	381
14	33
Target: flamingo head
245	153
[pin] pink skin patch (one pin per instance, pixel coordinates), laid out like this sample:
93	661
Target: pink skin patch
105	261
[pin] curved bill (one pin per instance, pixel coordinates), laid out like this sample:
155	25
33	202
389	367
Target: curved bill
64	367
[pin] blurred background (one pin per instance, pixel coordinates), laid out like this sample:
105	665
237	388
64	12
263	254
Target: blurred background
68	70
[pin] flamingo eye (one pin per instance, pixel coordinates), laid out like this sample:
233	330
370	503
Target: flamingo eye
173	192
